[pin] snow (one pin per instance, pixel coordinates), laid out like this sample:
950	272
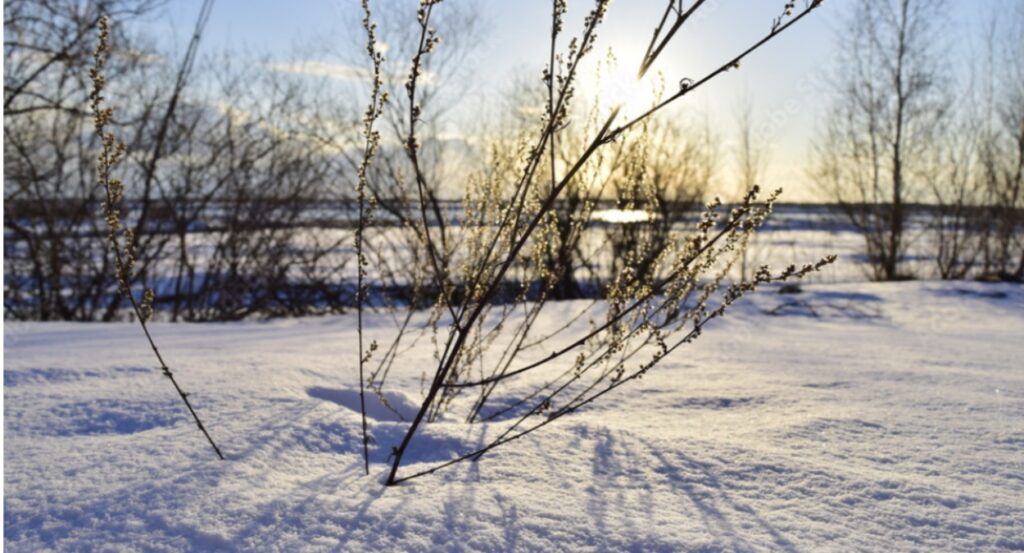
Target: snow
856	417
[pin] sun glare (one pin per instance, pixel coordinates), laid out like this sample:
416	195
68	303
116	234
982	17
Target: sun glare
617	86
620	216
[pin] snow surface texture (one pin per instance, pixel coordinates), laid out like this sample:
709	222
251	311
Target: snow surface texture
853	417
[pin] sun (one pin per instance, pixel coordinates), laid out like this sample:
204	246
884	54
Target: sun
616	86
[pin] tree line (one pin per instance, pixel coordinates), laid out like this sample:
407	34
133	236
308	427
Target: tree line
912	121
241	182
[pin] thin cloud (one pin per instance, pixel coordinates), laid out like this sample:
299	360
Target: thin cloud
339	71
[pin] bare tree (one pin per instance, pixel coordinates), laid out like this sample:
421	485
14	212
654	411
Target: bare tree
54	265
974	179
662	178
890	98
1001	152
955	225
220	196
51	196
749	158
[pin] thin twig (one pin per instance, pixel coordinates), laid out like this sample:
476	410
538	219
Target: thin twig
111	153
378	98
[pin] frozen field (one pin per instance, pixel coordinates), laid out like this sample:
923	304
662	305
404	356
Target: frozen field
858	417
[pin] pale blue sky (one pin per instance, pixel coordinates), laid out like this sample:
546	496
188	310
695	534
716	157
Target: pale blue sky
784	80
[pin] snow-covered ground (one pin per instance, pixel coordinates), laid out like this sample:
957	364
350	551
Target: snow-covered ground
856	417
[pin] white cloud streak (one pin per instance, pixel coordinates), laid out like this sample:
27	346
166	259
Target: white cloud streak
339	71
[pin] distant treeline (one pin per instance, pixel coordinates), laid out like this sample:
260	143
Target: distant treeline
245	208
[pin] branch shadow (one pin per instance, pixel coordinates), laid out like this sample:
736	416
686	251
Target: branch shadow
622	489
718	522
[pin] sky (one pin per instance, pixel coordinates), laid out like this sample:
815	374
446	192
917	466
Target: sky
785	83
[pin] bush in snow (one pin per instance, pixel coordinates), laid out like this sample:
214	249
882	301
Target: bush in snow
493	277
